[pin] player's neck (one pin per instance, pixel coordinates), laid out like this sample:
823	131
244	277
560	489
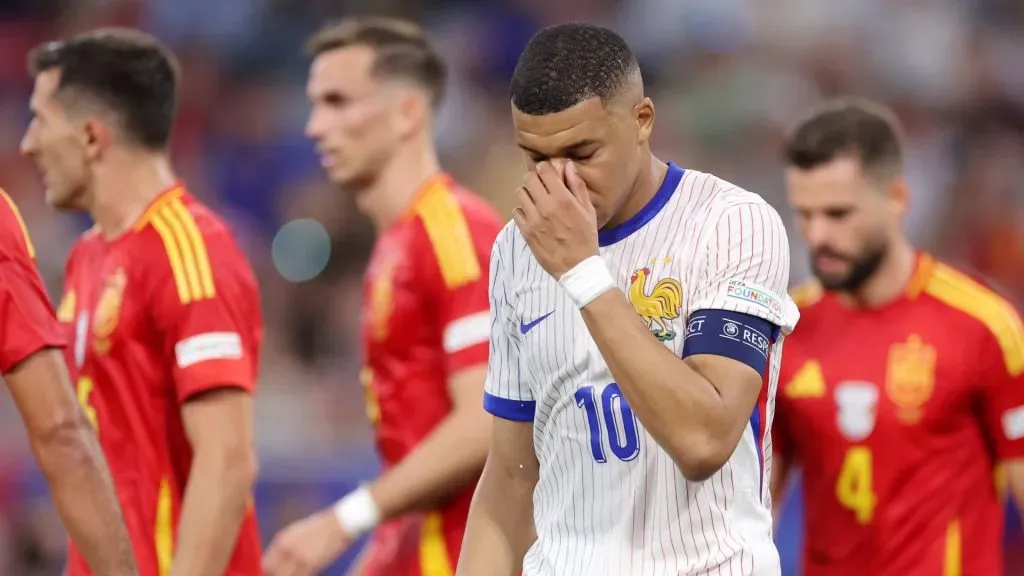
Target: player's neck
644	189
889	281
125	187
395	188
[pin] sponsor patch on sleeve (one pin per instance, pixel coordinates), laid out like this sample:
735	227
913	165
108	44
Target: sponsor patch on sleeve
1013	423
208	346
746	292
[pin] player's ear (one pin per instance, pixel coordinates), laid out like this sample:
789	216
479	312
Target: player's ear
643	111
414	110
898	194
96	137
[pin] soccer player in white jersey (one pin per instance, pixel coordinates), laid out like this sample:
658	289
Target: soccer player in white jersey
638	312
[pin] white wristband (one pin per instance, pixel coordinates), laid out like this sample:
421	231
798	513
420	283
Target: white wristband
357	512
586	281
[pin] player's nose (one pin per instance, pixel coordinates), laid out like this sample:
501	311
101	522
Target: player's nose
27	145
817	232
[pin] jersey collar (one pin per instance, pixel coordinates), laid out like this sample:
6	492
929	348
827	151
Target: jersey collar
922	272
609	236
173	191
441	179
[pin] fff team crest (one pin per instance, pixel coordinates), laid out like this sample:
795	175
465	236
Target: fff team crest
659	305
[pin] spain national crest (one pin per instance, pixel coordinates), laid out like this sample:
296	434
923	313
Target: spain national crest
382	299
108	310
658	306
910	377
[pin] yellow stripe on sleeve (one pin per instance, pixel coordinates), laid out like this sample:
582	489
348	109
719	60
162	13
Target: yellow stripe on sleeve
21	223
195	240
186	252
449	236
961	292
163	533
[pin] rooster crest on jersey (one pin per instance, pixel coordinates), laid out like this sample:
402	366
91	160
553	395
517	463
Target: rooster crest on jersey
108	310
910	377
657	307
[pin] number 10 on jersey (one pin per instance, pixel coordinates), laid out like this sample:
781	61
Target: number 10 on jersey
611	420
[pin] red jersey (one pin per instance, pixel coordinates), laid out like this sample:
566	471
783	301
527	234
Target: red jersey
27	323
425	317
897	417
165	311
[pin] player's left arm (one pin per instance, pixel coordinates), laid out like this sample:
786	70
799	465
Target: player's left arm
1001	376
698	406
207	310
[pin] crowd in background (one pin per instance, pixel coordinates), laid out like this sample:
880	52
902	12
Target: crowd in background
727	78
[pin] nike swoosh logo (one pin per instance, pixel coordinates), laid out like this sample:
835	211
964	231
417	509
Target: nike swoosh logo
524	328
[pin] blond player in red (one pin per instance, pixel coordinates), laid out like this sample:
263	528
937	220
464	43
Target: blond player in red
374	85
161	307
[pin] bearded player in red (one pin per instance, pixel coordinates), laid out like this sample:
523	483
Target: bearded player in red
34	369
903	388
162	308
374	85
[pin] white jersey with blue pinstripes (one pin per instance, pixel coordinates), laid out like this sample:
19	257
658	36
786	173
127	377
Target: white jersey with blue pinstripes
610	501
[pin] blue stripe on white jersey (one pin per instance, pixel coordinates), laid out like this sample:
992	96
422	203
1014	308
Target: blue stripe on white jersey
610	501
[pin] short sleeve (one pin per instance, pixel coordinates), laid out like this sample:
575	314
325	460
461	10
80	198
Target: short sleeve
457	278
506	394
743	266
1002	381
27	321
206	306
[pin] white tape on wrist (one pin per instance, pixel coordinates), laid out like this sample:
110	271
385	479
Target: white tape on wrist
357	513
586	281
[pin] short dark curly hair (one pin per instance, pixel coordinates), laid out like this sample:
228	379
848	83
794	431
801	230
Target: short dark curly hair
848	126
566	64
125	70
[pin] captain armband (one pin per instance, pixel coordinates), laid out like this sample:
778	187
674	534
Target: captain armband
735	335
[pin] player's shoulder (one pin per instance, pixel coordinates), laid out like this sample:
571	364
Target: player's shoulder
976	302
196	246
807	295
14	239
716	197
456	227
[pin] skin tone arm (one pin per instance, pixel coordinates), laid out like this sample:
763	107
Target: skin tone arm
433	471
500	527
219	425
69	454
426	477
695	408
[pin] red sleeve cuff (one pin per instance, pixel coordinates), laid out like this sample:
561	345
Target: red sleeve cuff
213	375
468	357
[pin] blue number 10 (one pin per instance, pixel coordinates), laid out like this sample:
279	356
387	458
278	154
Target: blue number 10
625	443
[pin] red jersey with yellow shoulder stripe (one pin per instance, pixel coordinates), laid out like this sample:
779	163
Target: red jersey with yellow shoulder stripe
27	323
165	311
425	317
897	417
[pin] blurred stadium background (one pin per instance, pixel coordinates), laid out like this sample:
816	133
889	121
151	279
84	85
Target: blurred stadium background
726	75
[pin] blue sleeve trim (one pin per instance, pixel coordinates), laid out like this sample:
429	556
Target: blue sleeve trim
735	335
515	410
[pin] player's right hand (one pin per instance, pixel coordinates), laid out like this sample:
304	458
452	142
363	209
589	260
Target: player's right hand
306	547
